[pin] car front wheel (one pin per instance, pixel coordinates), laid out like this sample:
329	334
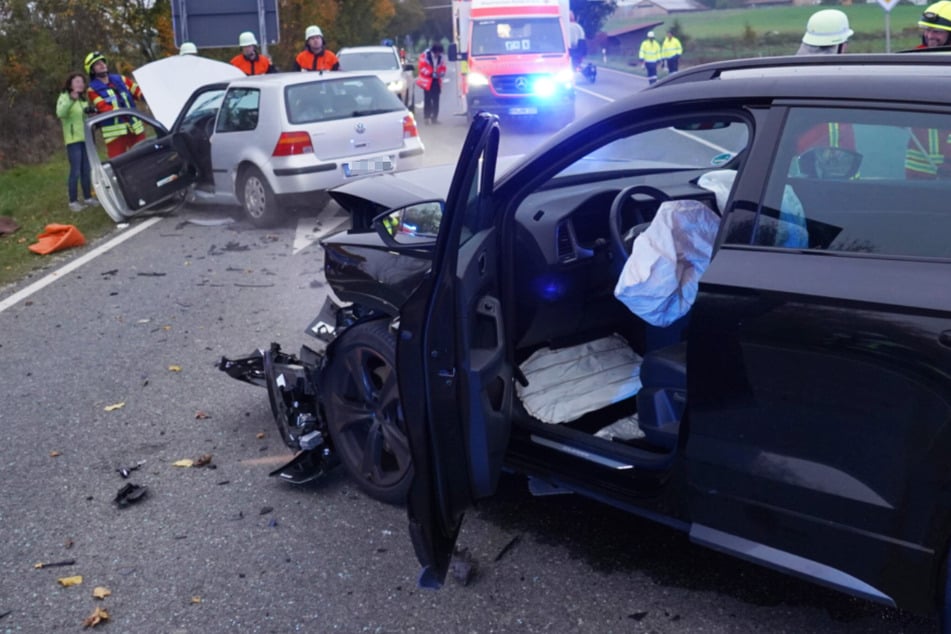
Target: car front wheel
257	198
364	413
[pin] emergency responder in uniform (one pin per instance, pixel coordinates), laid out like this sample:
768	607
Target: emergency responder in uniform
650	56
935	25
315	55
432	68
249	60
107	92
671	51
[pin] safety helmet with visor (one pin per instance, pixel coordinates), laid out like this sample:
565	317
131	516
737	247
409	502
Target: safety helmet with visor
828	27
247	39
937	16
91	60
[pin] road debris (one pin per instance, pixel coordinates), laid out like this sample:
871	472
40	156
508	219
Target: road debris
68	582
114	406
98	616
101	592
505	549
54	564
130	494
462	567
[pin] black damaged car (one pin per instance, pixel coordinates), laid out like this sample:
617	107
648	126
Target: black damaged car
792	406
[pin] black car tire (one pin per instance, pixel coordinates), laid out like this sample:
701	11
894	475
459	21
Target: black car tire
257	198
364	413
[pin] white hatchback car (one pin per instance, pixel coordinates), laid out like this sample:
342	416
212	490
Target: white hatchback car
385	62
266	142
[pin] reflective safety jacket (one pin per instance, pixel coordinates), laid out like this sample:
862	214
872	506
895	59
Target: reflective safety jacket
926	155
832	134
650	51
118	92
257	66
672	47
431	68
324	60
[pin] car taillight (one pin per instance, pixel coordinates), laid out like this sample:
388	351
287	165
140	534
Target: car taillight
409	127
292	143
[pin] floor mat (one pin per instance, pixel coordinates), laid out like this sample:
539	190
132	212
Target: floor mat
566	383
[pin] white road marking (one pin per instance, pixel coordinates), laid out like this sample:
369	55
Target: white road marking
75	264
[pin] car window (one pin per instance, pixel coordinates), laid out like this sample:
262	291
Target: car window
206	104
688	143
856	181
368	60
239	110
342	98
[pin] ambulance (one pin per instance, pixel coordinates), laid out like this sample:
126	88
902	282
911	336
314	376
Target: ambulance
513	58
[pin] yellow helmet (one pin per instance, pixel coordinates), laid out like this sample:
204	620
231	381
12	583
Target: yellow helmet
937	16
91	59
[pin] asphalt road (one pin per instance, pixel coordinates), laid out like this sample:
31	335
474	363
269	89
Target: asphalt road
110	366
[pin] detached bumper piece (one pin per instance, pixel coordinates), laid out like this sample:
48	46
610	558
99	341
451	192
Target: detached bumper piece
293	393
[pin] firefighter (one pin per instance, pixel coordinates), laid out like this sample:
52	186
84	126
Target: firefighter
249	60
650	55
109	92
935	24
315	55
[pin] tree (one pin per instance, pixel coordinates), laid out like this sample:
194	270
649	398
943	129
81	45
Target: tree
592	15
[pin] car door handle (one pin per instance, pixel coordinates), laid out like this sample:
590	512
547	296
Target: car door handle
945	338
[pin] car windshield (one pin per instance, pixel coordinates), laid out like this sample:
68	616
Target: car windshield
368	60
207	103
517	35
342	98
692	144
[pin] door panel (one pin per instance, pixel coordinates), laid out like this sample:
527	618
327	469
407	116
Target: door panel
455	377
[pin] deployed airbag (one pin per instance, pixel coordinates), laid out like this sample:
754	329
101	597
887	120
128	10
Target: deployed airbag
566	383
660	279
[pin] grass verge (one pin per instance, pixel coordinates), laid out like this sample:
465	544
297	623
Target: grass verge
35	196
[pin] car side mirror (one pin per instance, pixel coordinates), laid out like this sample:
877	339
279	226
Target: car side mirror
829	163
412	225
455	55
410	67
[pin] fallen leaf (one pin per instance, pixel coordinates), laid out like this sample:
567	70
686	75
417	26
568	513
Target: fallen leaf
184	462
114	406
101	592
260	434
98	616
67	582
54	453
203	460
166	327
196	599
174	368
200	415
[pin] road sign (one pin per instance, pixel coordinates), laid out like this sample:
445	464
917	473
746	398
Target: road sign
888	5
217	23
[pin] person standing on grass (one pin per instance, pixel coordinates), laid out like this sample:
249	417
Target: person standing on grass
71	110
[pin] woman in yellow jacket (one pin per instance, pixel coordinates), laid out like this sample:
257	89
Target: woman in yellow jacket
71	110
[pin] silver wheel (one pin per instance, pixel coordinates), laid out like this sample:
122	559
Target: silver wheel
258	199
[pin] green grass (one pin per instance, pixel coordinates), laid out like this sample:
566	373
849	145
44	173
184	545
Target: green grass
34	196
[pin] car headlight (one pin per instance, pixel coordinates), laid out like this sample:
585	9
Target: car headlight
477	79
544	87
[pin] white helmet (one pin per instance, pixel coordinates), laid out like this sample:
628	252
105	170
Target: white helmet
650	34
827	28
188	48
247	39
313	31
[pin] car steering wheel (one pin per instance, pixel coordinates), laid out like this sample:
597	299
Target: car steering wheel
619	249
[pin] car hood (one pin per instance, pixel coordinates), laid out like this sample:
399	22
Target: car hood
168	83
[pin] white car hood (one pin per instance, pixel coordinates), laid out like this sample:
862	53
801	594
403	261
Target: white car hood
168	83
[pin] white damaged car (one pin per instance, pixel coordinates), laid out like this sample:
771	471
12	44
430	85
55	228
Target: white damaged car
266	143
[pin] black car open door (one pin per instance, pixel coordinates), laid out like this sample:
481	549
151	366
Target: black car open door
454	370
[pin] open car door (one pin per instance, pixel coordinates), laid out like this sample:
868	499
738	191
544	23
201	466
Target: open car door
455	372
152	176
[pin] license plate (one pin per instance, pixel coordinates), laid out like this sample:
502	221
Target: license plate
528	110
369	166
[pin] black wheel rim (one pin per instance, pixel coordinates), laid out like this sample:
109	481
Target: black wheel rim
368	418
